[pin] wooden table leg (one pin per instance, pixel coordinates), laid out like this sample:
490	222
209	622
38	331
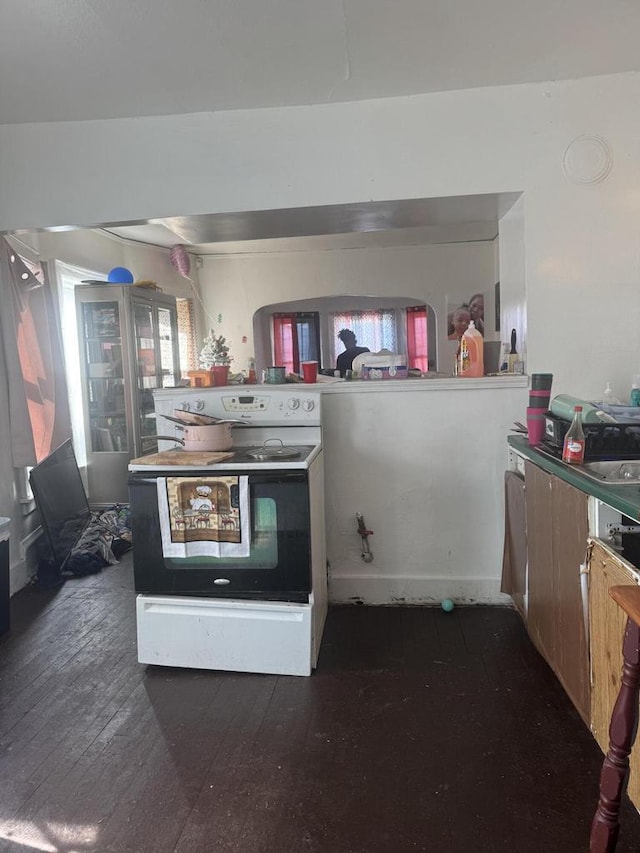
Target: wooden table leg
622	733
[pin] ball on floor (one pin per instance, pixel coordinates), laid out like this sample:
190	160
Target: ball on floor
447	605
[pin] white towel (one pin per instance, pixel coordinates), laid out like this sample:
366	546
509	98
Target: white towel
197	519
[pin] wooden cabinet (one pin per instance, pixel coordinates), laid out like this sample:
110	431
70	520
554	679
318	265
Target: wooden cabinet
514	561
557	532
607	625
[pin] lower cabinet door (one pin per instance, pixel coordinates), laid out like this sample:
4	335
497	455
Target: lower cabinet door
557	533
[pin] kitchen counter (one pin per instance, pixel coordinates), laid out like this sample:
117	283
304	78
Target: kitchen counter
624	498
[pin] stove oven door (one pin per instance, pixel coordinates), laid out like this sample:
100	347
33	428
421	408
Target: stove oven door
278	565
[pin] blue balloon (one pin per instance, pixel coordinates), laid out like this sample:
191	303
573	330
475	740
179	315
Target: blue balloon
120	275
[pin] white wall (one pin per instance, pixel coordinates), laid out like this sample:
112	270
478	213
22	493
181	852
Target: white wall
237	286
581	246
581	240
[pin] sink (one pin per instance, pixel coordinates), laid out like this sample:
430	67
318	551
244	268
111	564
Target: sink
614	472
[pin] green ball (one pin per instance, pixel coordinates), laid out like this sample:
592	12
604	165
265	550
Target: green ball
447	605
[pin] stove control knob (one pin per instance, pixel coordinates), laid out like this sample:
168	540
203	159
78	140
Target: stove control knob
185	406
293	403
308	405
199	405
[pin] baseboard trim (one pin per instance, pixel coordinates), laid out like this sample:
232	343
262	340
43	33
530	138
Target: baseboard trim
29	540
20	575
359	589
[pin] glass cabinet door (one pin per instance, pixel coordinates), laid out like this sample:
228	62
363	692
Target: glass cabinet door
148	372
166	333
104	375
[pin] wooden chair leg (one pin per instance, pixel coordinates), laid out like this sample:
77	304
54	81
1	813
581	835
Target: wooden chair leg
622	733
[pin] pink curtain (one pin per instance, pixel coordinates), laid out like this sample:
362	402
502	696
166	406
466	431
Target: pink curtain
38	405
417	352
285	342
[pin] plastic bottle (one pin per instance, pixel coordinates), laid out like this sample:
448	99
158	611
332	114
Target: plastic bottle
504	359
634	397
471	354
610	398
573	449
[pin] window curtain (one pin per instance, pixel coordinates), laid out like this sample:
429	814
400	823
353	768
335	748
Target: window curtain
38	407
186	335
373	329
285	342
417	352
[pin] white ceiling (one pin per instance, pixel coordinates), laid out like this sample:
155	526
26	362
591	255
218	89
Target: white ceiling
66	60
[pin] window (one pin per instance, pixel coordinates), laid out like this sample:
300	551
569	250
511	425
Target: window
417	349
186	335
69	278
373	329
296	338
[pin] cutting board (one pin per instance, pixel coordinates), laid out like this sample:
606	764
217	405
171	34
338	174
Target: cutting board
183	457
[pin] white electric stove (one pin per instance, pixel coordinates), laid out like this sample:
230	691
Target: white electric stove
263	611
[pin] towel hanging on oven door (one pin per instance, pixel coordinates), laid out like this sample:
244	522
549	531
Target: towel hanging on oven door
204	516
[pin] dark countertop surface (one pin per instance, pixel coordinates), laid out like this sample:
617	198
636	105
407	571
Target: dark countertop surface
624	498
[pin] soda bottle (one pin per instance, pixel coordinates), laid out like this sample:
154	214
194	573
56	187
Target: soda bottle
573	448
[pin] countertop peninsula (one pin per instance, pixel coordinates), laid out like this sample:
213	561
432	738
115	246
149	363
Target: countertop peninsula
624	498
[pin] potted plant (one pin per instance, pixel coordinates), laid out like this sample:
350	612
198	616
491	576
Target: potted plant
214	356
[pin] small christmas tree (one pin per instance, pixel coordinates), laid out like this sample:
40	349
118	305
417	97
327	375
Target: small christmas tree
214	351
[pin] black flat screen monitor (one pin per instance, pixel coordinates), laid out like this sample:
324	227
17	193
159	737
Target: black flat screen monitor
61	500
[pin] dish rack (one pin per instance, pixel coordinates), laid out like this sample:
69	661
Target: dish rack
602	441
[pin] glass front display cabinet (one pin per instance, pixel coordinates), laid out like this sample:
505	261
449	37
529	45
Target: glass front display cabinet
128	347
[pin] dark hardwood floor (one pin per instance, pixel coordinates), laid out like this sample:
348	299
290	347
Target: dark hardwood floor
419	731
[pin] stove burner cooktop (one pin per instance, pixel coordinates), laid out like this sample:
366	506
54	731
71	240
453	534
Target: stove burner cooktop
242	455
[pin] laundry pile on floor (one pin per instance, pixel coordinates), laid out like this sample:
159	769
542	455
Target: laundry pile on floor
106	536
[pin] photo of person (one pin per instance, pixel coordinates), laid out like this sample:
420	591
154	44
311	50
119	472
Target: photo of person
458	321
458	318
476	306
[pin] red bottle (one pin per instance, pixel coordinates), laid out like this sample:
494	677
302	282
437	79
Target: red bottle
573	448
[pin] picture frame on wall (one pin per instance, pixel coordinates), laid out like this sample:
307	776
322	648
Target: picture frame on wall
459	313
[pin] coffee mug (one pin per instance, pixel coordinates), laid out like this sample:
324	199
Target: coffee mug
309	371
274	375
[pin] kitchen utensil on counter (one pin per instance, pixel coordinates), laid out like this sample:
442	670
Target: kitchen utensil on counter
513	352
203	420
182	457
215	436
274	375
274	451
191	418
